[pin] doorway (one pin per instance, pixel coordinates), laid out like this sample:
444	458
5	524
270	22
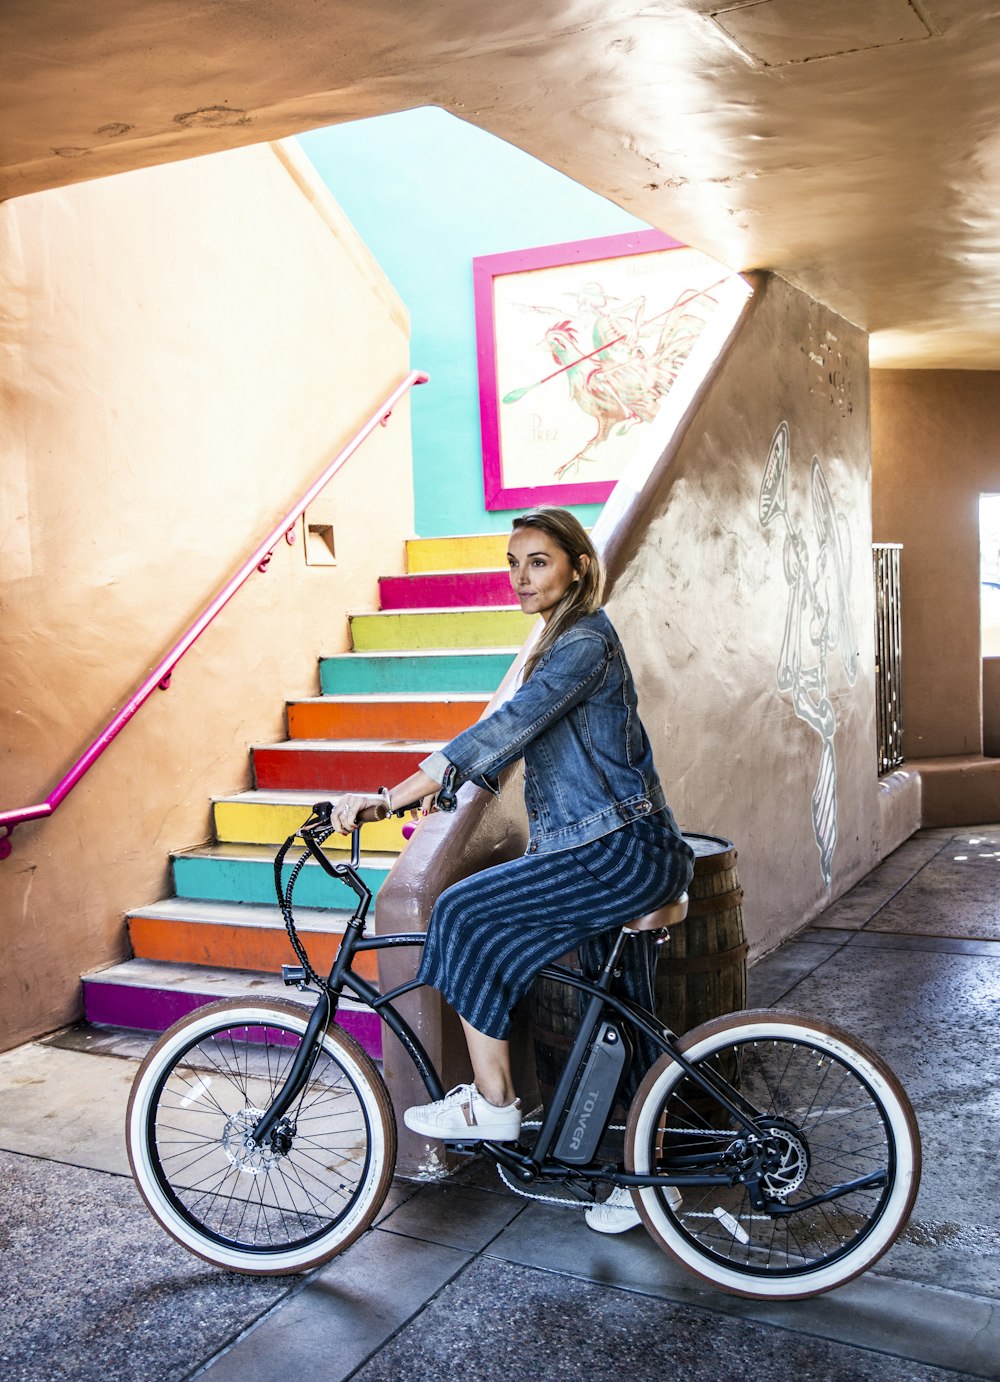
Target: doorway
989	619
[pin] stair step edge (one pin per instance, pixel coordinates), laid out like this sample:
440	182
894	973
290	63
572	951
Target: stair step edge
352	746
422	611
187	978
472	651
394	698
209	912
283	796
228	851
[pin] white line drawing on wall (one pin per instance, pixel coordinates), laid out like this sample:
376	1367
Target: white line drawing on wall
818	620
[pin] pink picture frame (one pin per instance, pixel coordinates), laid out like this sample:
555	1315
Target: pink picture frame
591	333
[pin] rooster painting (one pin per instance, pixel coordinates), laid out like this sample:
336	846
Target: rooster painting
618	364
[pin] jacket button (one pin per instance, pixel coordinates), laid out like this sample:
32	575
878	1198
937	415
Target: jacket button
533	848
643	806
534	815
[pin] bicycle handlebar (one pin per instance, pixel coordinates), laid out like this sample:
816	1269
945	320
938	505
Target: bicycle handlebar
320	824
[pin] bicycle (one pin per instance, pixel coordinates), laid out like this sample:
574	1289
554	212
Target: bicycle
262	1137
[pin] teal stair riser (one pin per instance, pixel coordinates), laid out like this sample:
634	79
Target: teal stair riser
239	880
354	674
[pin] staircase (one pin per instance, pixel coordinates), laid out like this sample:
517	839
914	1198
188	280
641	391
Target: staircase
422	669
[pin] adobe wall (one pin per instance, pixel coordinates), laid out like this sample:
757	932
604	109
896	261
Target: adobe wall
757	683
183	349
934	451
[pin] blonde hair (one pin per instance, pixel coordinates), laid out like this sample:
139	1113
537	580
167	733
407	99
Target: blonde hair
584	595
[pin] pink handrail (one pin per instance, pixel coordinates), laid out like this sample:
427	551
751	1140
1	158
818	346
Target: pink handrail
160	676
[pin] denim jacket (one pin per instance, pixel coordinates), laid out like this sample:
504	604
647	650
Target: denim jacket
588	766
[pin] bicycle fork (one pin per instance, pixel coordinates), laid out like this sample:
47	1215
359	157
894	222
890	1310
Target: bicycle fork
313	832
267	1128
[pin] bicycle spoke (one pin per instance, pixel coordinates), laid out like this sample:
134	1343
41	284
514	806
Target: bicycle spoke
831	1132
269	1196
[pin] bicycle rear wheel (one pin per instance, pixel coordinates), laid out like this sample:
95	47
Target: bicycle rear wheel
829	1114
297	1200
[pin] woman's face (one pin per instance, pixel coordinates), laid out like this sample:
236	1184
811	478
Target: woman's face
540	571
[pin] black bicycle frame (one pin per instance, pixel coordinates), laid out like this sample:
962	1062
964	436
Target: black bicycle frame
600	999
342	977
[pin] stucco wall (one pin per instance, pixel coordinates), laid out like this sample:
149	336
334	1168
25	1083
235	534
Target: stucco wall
935	449
704	601
183	350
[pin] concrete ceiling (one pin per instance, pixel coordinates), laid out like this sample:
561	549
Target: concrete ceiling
853	146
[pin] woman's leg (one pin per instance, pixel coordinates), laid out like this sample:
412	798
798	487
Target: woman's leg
490	1066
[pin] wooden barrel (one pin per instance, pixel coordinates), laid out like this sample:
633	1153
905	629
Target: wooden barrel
700	972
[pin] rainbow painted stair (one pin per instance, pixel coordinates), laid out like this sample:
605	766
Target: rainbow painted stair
422	669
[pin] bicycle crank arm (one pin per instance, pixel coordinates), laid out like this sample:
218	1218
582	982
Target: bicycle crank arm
506	1153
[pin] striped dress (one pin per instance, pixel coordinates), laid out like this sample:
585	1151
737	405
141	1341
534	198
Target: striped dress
490	934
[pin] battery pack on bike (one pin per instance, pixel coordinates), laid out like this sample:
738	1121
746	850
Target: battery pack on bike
594	1094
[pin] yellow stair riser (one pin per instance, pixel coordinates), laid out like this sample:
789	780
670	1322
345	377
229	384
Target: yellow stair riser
270	823
487	552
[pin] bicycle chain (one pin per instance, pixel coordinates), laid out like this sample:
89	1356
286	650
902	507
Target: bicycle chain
563	1200
566	1201
569	1203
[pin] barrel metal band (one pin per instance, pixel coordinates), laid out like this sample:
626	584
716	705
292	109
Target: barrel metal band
720	902
702	964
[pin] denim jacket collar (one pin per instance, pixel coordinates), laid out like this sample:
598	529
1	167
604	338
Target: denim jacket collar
588	765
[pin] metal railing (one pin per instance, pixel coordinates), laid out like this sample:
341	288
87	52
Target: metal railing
159	678
888	656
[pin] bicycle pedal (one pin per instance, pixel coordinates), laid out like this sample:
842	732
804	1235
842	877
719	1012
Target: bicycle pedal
293	974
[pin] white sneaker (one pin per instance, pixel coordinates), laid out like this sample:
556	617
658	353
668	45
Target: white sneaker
463	1115
617	1214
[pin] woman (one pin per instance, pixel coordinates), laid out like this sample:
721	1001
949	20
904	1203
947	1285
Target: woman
603	843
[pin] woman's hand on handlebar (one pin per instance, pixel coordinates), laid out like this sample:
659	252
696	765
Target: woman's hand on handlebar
352	809
355	807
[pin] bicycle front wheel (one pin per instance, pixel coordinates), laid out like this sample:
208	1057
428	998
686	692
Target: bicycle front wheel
300	1198
835	1147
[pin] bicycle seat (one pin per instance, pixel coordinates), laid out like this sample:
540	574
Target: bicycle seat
672	914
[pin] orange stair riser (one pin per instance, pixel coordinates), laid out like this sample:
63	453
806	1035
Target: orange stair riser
234	947
382	719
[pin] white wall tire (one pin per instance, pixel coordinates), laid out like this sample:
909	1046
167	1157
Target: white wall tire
839	1113
270	1212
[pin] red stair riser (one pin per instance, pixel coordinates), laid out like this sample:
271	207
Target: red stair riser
334	770
447	590
235	947
382	719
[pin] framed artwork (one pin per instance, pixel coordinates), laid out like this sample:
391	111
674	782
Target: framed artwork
577	346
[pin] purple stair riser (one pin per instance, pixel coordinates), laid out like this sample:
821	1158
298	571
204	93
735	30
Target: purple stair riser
154	1010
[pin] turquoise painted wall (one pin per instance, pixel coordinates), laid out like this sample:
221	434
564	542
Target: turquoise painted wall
428	193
